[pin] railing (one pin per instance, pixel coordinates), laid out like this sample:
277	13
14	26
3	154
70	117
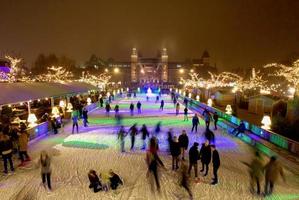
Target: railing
274	138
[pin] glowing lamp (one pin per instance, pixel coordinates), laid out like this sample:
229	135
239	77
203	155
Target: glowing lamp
266	122
184	93
69	107
88	101
61	103
228	109
55	111
170	89
118	91
108	94
176	90
138	89
114	92
210	102
127	89
197	98
189	95
32	120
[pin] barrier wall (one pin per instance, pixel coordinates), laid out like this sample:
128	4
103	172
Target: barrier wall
274	138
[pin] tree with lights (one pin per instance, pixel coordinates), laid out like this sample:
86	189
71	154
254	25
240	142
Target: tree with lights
100	81
56	74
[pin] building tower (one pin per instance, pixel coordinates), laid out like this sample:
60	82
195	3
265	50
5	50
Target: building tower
164	62
205	58
134	60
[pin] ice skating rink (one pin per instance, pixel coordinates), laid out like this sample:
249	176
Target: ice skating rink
96	147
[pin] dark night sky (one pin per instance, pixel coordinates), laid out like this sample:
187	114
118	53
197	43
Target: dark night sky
236	32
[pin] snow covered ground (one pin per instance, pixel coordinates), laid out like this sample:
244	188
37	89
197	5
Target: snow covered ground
96	147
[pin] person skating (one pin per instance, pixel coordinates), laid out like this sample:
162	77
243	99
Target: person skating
195	122
139	107
23	144
174	101
205	157
272	172
153	162
216	164
116	110
215	118
210	136
85	117
162	105
158	128
145	134
193	158
108	108
45	164
186	102
186	114
207	118
132	109
121	136
115	180
101	102
133	132
255	172
240	129
54	125
175	153
184	143
169	139
94	180
177	109
75	119
185	180
157	99
6	150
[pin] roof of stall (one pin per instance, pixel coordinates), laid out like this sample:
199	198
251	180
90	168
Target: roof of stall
11	93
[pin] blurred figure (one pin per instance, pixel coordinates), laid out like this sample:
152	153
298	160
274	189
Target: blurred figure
23	144
115	180
158	128
157	99
169	139
45	163
75	121
216	164
153	162
193	158
177	109
174	101
162	105
272	171
6	150
133	132
215	118
186	102
145	134
147	98
85	117
210	136
185	180
116	110
195	122
132	109
154	145
184	143
121	136
54	125
240	129
255	172
118	120
186	114
108	108
205	156
101	102
175	153
94	180
139	107
207	118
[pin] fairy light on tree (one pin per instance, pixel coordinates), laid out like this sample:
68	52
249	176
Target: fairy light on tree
100	81
56	74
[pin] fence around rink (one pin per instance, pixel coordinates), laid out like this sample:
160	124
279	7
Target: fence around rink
257	134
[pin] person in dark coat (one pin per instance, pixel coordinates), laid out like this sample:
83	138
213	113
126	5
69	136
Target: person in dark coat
216	164
186	114
184	143
133	132
175	153
215	118
94	180
115	180
6	150
139	107
185	180
195	122
132	109
158	128
157	99
162	105
209	135
101	102
85	117
174	101
121	136
145	134
177	109
240	129
207	118
169	139
108	108
186	102
54	125
116	110
205	156
193	158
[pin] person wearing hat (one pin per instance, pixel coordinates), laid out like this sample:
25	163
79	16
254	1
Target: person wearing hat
193	158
